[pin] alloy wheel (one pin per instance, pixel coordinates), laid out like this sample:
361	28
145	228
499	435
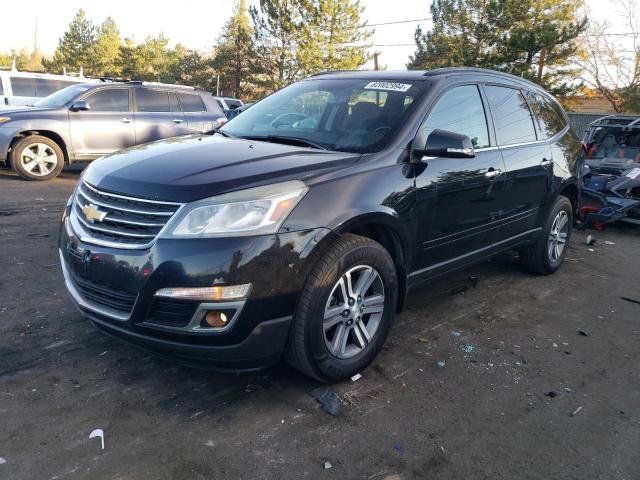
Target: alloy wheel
38	159
558	236
354	311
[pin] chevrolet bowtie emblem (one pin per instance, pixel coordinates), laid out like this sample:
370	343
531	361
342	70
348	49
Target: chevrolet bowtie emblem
93	213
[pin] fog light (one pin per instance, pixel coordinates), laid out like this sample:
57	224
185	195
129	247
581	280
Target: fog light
216	294
216	319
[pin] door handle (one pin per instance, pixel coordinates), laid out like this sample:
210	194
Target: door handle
493	173
546	163
177	120
125	120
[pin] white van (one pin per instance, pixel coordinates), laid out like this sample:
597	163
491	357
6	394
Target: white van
25	88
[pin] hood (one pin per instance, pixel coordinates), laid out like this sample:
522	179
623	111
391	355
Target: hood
18	109
185	169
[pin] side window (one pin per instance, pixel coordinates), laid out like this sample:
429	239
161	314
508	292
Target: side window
192	103
109	100
23	87
151	100
45	87
511	115
174	106
1	87
460	110
550	118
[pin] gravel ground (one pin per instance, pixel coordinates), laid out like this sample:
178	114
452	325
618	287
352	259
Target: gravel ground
515	367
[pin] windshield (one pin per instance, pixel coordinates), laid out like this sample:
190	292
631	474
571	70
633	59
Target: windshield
614	143
62	97
347	114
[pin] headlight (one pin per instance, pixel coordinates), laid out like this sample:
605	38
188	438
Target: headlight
253	211
4	119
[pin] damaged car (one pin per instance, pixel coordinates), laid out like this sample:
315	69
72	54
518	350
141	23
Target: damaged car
611	172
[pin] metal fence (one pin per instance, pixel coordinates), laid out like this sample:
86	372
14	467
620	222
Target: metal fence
580	121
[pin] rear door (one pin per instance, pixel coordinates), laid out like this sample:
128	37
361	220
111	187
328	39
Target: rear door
105	128
459	199
196	114
527	158
156	116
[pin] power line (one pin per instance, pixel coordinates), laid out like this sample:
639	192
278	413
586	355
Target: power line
397	22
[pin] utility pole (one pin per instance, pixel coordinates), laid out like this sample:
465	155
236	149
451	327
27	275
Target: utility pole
375	60
218	86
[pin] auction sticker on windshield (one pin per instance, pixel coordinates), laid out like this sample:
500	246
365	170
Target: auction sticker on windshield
396	87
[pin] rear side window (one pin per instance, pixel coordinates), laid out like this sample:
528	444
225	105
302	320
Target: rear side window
511	115
109	100
45	87
151	100
460	110
173	102
191	102
549	116
23	87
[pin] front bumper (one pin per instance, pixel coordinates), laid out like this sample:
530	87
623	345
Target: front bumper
103	281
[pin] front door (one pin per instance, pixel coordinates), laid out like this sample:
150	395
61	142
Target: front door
528	161
459	200
106	127
158	115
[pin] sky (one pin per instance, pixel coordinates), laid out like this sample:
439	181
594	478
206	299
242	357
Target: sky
198	23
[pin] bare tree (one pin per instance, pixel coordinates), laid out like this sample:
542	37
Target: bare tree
612	58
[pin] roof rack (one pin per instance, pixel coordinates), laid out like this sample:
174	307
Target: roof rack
141	82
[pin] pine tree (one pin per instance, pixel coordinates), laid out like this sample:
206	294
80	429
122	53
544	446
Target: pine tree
332	37
77	46
277	25
107	49
235	53
535	39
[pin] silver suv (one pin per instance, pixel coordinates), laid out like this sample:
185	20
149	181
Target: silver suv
86	121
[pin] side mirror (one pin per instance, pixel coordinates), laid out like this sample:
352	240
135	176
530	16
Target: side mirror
442	143
79	106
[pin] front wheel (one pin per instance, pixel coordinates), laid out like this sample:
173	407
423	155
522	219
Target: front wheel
37	158
546	255
345	310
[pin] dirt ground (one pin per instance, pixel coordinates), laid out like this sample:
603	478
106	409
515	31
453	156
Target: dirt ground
515	368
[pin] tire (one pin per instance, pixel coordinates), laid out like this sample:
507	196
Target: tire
542	257
316	350
37	158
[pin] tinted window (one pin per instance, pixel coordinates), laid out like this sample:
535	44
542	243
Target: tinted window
110	100
151	100
550	118
45	87
511	115
23	87
233	103
460	110
173	102
191	102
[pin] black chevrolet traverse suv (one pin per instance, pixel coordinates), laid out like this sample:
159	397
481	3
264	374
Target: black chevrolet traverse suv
298	228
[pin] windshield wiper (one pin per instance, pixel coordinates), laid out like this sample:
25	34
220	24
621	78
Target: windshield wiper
288	140
221	132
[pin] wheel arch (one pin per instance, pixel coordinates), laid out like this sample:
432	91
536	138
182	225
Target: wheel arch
51	135
571	191
388	232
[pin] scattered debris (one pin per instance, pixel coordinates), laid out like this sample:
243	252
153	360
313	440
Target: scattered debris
441	363
7	213
607	242
98	432
397	448
455	333
516	380
555	345
328	399
356	377
48	265
632	300
583	333
466	348
470	282
568	390
327	465
590	240
575	412
551	394
43	235
423	339
591	249
2	460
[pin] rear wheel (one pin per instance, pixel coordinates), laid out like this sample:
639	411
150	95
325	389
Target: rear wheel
345	310
546	255
37	158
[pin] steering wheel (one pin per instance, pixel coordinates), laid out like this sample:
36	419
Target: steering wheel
297	117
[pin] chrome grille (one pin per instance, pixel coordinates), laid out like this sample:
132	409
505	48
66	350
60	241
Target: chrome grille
126	222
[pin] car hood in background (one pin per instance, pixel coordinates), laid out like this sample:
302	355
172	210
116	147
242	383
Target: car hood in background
184	169
17	109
